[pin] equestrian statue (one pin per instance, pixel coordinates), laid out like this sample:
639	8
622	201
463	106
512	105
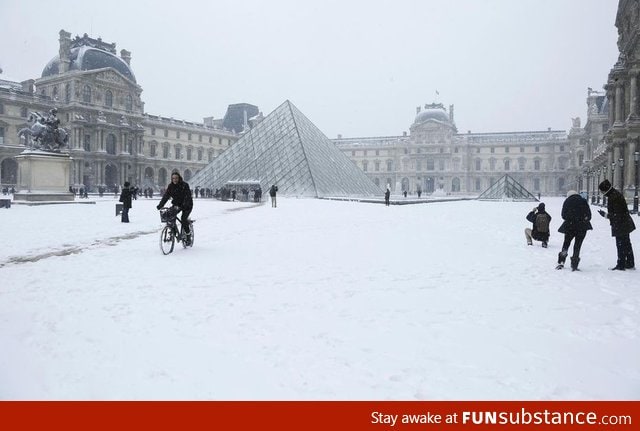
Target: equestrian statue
45	133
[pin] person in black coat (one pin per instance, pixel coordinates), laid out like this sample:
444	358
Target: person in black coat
577	221
272	192
180	194
387	195
125	198
535	232
621	225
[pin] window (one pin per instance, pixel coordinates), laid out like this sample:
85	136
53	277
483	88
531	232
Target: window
377	152
210	156
521	163
418	165
111	144
430	165
365	153
188	153
178	153
211	139
507	165
522	149
478	164
605	127
1	134
87	142
130	146
199	138
199	154
537	149
353	153
478	150
165	151
153	131
493	150
477	184
492	164
67	93
562	148
152	150
441	165
86	94
406	151
377	166
365	165
54	94
23	112
166	133
108	100
389	165
219	141
536	184
1	108
455	150
189	136
177	134
506	149
128	103
536	165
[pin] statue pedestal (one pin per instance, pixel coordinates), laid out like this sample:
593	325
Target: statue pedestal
43	177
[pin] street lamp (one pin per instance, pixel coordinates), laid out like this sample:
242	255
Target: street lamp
636	156
593	186
604	177
621	164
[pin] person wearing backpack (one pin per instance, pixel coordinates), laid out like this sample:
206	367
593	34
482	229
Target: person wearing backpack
577	221
540	229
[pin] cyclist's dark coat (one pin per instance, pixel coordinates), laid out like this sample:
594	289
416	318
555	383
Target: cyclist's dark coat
180	195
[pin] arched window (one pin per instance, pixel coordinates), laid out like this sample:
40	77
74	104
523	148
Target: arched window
108	99
111	144
455	184
128	104
86	94
55	93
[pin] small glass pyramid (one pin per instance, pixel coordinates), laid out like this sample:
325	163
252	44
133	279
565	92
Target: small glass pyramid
507	189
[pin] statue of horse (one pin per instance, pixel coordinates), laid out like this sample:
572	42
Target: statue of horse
43	136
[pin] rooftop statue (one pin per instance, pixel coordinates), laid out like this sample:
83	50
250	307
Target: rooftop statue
45	133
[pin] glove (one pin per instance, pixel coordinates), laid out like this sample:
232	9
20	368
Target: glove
158	207
602	213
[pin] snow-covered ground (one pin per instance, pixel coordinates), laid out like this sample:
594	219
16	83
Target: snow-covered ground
313	300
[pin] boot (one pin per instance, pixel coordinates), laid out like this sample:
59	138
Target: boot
562	256
630	263
619	266
574	263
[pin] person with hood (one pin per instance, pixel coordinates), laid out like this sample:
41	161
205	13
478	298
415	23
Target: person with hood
180	194
621	225
125	198
272	192
540	220
577	221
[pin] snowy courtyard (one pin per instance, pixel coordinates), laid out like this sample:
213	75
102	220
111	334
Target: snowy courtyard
312	300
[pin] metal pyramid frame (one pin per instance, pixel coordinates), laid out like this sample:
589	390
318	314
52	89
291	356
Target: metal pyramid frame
507	189
288	150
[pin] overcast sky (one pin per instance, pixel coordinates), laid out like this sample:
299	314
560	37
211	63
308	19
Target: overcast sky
358	68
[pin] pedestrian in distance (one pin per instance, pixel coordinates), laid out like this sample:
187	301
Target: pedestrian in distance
125	198
621	225
540	220
272	192
577	221
387	195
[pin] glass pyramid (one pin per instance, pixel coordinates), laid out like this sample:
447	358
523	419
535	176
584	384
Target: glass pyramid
288	150
507	189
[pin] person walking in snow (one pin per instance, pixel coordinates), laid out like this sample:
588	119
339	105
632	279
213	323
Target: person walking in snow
125	198
621	225
387	195
272	192
577	221
540	229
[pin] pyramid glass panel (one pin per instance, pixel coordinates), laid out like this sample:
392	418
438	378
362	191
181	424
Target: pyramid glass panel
288	150
507	188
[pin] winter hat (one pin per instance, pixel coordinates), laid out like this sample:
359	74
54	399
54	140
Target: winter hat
126	184
571	193
541	206
605	186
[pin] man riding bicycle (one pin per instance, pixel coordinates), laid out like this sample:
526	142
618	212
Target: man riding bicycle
181	200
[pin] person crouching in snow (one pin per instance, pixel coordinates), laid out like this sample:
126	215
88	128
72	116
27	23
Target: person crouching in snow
540	231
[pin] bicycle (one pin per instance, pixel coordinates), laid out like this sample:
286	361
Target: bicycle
170	233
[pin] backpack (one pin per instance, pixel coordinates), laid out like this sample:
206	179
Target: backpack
542	223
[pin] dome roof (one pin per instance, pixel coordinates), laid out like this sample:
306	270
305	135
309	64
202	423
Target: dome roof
89	58
438	114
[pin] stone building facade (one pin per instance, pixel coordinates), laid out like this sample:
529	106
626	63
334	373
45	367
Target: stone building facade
613	134
112	139
434	157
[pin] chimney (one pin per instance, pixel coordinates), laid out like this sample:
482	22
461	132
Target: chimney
417	110
65	51
126	56
28	86
339	136
451	113
208	121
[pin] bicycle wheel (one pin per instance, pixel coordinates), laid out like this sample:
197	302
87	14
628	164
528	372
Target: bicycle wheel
167	240
193	234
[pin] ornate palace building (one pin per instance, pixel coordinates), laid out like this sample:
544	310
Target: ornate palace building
435	157
613	126
112	139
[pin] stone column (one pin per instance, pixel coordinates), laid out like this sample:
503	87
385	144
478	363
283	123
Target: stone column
633	94
619	100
